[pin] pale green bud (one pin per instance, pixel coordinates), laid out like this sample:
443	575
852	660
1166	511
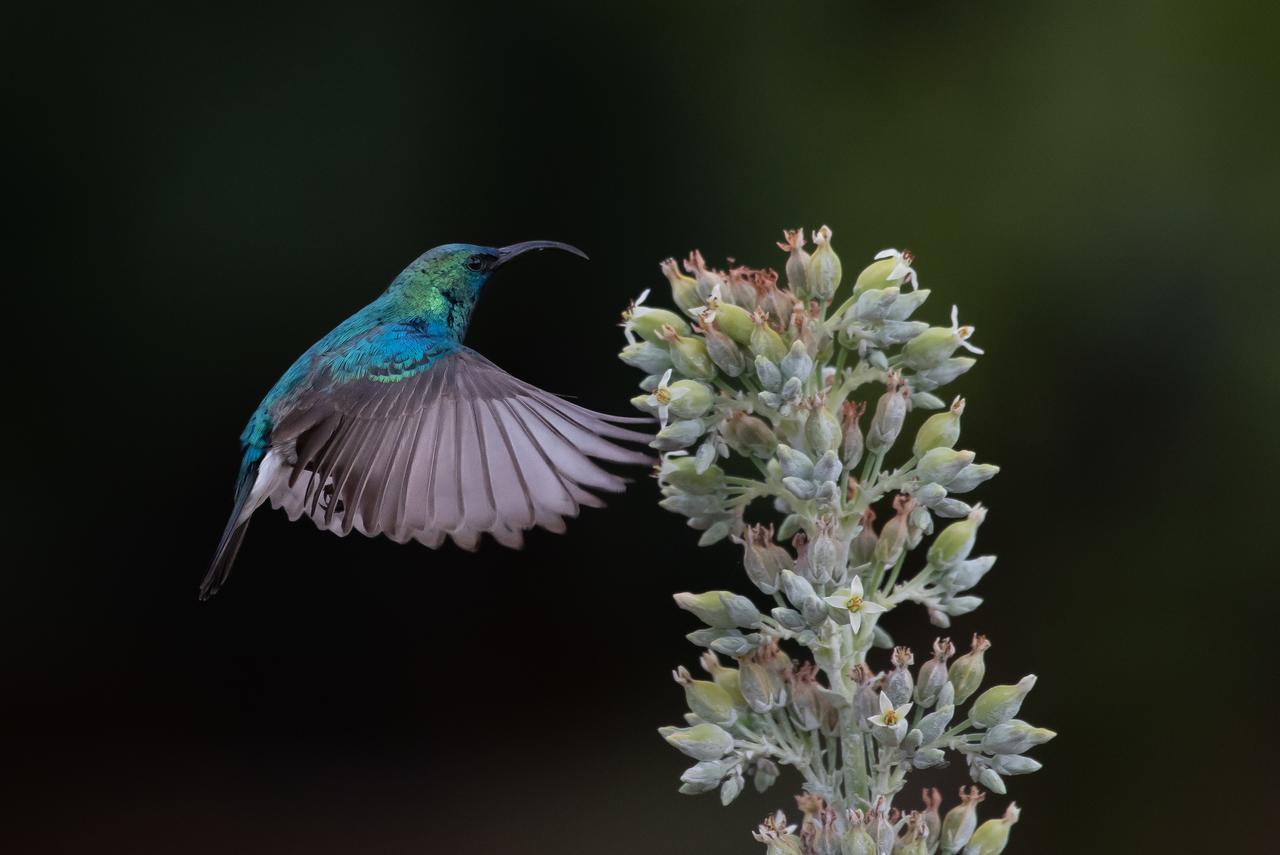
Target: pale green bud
1014	737
725	677
681	472
966	574
967	672
731	787
706	700
647	356
822	274
1000	703
933	674
935	345
945	372
689	399
989	778
647	322
932	726
971	476
960	822
852	442
688	355
705	776
827	468
954	543
940	465
768	373
704	741
797	362
795	464
766	773
900	683
797	260
858	842
891	410
720	609
684	289
993	835
676	435
822	429
765	341
941	430
876	274
735	321
1014	764
750	435
727	356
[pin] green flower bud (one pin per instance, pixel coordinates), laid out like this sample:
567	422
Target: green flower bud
827	468
940	465
989	778
900	683
795	464
890	269
960	822
941	430
932	725
684	289
705	776
891	411
797	260
647	356
822	274
822	429
971	476
933	674
894	535
689	399
711	607
768	373
706	700
688	355
993	835
1014	737
941	375
1014	764
681	472
647	322
708	279
968	671
765	341
935	345
750	435
954	543
852	443
735	321
676	435
857	841
704	741
1000	703
726	678
727	356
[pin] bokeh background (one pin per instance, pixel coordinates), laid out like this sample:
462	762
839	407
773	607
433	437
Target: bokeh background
205	189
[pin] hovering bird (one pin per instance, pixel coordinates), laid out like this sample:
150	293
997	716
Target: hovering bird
389	425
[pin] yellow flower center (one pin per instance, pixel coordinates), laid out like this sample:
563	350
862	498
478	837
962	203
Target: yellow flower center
854	604
890	717
662	395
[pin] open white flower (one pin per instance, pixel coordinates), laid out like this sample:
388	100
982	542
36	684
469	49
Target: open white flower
964	332
662	397
902	270
894	718
707	312
850	601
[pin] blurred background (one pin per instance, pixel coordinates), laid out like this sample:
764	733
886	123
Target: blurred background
205	190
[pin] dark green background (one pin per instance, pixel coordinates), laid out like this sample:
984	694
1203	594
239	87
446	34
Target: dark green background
204	189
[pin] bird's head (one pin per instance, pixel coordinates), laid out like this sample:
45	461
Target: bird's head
470	266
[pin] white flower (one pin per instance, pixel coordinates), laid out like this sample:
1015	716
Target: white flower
902	270
963	333
663	396
707	313
894	718
851	600
636	308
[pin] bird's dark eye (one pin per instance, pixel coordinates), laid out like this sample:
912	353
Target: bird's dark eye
476	263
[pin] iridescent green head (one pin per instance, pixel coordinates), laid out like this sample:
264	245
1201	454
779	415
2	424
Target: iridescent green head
442	284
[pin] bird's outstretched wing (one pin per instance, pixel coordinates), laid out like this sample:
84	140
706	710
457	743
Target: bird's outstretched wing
457	450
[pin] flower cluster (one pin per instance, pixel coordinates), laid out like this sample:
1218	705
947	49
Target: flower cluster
791	398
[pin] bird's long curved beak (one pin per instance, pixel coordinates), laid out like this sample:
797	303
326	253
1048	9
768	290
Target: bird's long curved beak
506	253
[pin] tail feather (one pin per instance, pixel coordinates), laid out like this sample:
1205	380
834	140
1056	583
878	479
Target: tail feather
233	534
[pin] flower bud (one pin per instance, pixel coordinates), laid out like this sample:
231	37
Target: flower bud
881	830
900	682
797	362
709	608
681	472
735	321
894	535
684	289
707	278
777	836
795	464
726	355
968	671
988	777
798	591
765	341
961	821
704	741
935	345
940	465
932	725
677	435
1014	737
705	776
826	552
725	677
647	322
993	835
766	772
647	356
889	269
763	678
941	430
706	700
866	701
852	444
689	355
933	674
944	373
806	705
750	435
891	411
827	468
1000	703
822	274
763	559
797	260
856	840
821	429
1014	764
863	546
966	574
954	543
689	399
768	373
971	476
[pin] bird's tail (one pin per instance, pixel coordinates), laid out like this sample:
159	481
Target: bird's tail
232	535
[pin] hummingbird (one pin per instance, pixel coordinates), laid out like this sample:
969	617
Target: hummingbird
391	425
